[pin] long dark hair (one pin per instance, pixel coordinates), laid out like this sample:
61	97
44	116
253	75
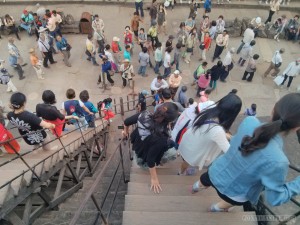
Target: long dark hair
164	114
225	110
286	116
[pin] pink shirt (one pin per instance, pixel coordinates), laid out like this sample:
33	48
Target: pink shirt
203	82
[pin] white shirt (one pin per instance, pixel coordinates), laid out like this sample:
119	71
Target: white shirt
167	60
57	18
277	58
109	56
44	45
222	40
189	114
155	85
201	147
228	59
292	70
98	25
127	71
248	35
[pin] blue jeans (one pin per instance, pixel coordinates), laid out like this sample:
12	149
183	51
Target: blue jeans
139	5
157	66
82	123
167	72
142	70
26	27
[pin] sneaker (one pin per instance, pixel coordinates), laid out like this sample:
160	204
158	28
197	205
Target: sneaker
196	187
190	171
21	78
215	208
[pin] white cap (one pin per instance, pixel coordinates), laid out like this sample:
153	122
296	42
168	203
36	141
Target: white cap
177	72
258	20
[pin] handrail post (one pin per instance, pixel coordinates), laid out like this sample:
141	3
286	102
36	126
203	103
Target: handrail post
122	106
122	164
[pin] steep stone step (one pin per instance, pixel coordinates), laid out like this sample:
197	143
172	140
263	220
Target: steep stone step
187	218
168	190
162	171
160	203
165	179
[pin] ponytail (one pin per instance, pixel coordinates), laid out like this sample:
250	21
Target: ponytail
261	136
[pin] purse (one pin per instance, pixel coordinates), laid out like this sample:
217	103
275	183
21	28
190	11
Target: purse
189	49
202	46
68	47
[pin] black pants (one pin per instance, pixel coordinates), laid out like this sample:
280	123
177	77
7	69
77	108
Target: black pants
125	81
19	70
48	57
205	180
218	51
289	82
107	76
13	29
241	61
250	76
224	75
271	13
101	46
154	41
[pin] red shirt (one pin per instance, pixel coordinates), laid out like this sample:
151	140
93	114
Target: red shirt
115	46
206	42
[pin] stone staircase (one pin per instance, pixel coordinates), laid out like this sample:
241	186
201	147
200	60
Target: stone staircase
175	204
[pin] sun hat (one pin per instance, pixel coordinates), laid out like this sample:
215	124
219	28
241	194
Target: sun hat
31	50
116	39
177	72
126	60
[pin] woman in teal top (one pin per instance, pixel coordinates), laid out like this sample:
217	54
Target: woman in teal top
255	161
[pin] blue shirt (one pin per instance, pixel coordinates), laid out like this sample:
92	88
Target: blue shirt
61	45
127	55
235	175
106	67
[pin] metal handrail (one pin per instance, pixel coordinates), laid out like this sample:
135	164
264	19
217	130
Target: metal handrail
62	148
293	200
90	193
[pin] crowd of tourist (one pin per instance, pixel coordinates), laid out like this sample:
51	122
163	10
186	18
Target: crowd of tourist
239	166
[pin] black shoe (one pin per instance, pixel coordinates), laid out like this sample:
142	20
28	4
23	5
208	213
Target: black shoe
53	62
224	81
25	64
249	80
243	78
21	78
95	64
88	59
47	67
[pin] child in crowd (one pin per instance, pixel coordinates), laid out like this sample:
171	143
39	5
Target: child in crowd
251	111
128	38
203	82
84	97
127	52
142	38
36	64
213	29
143	60
106	106
107	52
158	58
75	108
5	78
177	54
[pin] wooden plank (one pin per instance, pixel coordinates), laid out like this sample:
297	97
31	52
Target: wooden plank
187	218
160	203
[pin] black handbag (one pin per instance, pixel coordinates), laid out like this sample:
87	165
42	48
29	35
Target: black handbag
68	47
189	49
202	46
